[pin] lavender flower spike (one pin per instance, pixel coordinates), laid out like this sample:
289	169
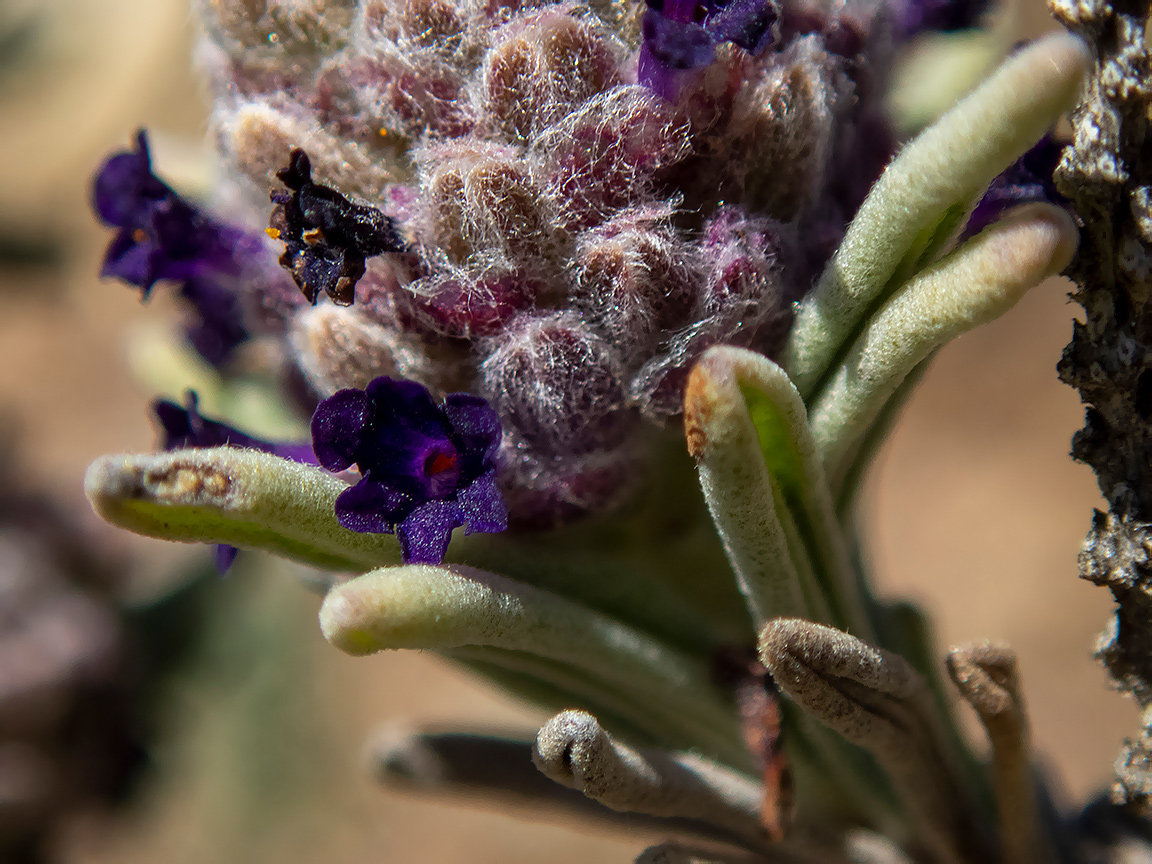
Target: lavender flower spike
426	469
162	236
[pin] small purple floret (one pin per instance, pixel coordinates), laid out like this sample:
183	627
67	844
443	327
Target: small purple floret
1027	180
162	236
914	17
183	426
682	35
426	468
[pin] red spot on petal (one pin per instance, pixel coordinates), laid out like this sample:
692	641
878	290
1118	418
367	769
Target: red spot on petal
438	463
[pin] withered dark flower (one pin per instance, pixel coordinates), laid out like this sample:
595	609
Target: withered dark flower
163	237
326	236
427	469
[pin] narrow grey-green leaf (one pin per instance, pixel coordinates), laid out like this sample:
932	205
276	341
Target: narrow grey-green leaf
944	169
446	608
244	498
973	285
765	486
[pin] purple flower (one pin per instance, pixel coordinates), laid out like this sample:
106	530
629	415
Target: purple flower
162	236
914	17
427	469
1026	180
681	35
184	426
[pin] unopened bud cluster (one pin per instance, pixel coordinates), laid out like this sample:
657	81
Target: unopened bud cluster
576	239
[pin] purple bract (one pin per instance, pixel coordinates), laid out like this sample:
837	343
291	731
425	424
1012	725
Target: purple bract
426	468
946	16
162	236
1026	180
183	426
681	35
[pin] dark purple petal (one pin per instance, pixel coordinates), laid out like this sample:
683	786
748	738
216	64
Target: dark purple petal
338	427
681	35
750	24
216	329
424	535
164	237
677	44
405	402
679	10
131	261
123	181
476	424
482	505
184	426
371	508
425	468
225	555
1028	179
409	443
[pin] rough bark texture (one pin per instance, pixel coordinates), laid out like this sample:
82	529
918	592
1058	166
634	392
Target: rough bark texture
1107	174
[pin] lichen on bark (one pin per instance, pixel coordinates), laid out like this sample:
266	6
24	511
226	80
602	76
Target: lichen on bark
1107	175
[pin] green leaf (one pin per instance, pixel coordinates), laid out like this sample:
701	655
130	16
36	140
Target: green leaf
764	484
973	285
244	498
447	608
913	205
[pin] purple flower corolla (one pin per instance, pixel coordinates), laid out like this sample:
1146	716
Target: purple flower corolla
680	36
184	426
163	237
914	17
427	468
1027	180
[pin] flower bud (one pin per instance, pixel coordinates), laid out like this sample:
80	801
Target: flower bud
338	348
607	154
741	304
483	203
258	138
784	131
557	385
636	277
278	32
461	307
542	67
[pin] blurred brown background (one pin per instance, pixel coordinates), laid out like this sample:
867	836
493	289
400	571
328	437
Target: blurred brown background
974	508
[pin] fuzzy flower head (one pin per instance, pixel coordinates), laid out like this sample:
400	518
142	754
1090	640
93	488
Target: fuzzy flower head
425	468
557	207
561	209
